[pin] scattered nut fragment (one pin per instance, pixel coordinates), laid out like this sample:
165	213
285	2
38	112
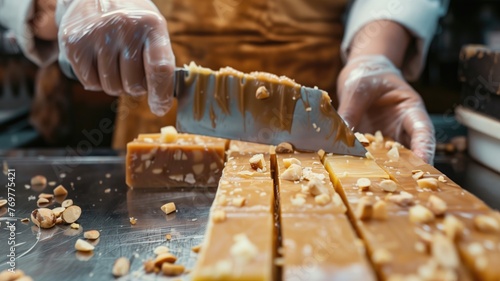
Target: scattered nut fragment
257	161
169	269
243	249
421	247
381	256
443	250
60	191
321	153
316	187
379	138
238	201
168	134
168	237
168	208
475	249
58	211
437	205
292	173
196	249
298	201
485	223
59	220
42	201
364	184
284	148
430	183
43	218
71	214
364	210
380	210
133	220
75	226
39	180
362	139
25	220
121	267
370	137
420	214
165	257
388	185
149	266
46	196
418	175
262	93
218	216
3	202
66	203
403	198
83	246
338	203
161	250
368	155
91	234
453	227
393	153
441	179
322	199
287	162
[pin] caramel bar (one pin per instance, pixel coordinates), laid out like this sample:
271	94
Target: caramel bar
186	160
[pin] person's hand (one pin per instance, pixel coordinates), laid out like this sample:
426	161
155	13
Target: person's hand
43	22
374	96
119	47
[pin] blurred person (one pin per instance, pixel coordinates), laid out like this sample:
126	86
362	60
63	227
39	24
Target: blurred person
126	49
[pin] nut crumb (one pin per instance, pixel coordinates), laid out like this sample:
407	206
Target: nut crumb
257	161
437	205
121	267
165	258
66	203
60	191
39	181
322	199
368	155
380	210
362	139
3	202
196	249
393	153
149	266
46	196
292	173
430	183
403	198
91	234
262	93
169	269
218	216
71	214
168	237
364	210
133	220
287	162
42	201
388	185
364	184
442	179
161	250
284	148
485	223
238	201
381	256
453	227
168	208
168	134
43	218
418	175
298	201
420	214
444	252
83	246
25	220
75	226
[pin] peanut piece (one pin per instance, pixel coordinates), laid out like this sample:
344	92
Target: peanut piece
71	214
83	246
149	266
287	162
60	191
168	134
172	269
43	218
364	210
3	202
437	205
453	227
161	250
168	208
393	154
284	148
39	181
257	161
322	199
485	223
66	203
218	216
430	183
379	138
388	185
443	250
370	137
380	210
75	226
165	258
46	196
298	201
338	203
121	267
293	173
364	184
58	211
196	249
420	214
403	198
262	93
381	256
362	139
418	175
42	201
475	249
316	187
238	201
132	220
91	234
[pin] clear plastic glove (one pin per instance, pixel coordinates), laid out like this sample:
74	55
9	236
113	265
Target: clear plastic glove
373	95
119	47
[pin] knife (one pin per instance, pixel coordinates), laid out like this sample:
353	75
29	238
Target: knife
260	107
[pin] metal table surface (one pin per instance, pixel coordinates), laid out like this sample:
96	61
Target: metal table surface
50	254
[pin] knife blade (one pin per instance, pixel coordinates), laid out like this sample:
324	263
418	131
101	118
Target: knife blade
224	104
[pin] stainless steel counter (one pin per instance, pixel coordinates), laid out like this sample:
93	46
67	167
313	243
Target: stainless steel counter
50	254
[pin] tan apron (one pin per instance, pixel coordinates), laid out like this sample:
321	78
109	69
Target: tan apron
299	39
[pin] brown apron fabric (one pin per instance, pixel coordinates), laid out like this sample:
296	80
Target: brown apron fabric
299	39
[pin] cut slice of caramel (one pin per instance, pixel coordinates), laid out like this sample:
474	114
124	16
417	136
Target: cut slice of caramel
188	161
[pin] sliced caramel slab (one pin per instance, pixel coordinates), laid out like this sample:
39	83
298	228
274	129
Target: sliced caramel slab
188	161
322	247
258	196
238	248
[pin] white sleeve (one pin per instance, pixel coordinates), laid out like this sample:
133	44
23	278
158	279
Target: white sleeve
419	17
15	16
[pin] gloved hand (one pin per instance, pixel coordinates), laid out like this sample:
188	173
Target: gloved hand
119	47
373	95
